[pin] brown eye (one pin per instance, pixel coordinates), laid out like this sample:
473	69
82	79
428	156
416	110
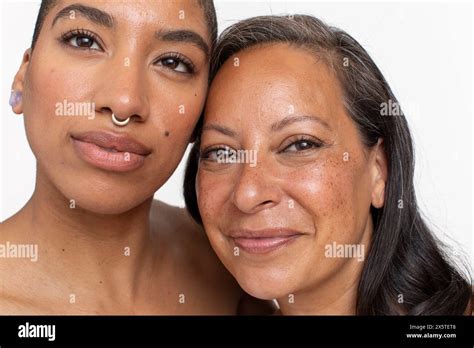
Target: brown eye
302	145
176	62
217	153
170	63
83	41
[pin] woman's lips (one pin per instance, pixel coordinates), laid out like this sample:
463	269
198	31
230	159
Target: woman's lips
263	241
109	151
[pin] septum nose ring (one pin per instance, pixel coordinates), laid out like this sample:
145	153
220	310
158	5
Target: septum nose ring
120	123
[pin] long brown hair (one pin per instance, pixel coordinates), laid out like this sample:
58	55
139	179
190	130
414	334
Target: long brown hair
406	271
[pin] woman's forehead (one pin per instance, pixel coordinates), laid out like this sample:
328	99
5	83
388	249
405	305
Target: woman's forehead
279	75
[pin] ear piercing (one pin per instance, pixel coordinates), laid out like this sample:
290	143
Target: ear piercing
120	123
15	98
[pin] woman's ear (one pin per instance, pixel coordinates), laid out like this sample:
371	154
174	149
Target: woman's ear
379	173
16	97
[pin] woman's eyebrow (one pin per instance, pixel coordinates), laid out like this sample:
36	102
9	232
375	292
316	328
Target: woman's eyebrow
103	18
276	126
298	118
93	14
221	129
183	36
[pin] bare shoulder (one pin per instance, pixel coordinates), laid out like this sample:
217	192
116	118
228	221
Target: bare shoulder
9	235
15	271
9	226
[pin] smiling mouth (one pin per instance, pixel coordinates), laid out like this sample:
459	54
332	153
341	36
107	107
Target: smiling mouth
263	241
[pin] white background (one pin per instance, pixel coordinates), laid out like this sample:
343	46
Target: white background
423	49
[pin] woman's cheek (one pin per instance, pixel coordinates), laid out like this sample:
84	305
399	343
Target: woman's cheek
208	197
174	113
40	98
325	193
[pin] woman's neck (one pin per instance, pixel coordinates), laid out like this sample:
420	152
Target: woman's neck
76	246
334	297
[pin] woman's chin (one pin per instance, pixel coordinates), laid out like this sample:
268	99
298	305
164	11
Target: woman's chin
112	203
265	286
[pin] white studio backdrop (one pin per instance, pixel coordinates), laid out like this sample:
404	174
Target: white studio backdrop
423	49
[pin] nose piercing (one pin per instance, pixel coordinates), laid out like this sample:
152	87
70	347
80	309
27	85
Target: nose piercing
118	122
15	98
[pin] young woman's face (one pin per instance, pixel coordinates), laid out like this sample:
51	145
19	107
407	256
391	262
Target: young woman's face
272	221
138	59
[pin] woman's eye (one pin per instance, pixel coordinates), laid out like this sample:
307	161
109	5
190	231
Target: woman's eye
219	155
174	64
302	145
81	40
177	64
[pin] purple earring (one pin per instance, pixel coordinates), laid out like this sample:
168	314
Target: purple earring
15	98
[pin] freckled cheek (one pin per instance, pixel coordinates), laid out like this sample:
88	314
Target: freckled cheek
323	193
214	193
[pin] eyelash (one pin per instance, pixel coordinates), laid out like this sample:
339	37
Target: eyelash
66	37
180	59
79	32
315	143
205	155
301	139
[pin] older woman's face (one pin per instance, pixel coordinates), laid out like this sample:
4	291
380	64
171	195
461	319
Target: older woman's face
274	222
133	58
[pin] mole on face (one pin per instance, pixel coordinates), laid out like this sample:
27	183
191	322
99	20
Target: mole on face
167	133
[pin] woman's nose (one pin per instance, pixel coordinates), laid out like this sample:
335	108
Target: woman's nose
124	91
256	188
